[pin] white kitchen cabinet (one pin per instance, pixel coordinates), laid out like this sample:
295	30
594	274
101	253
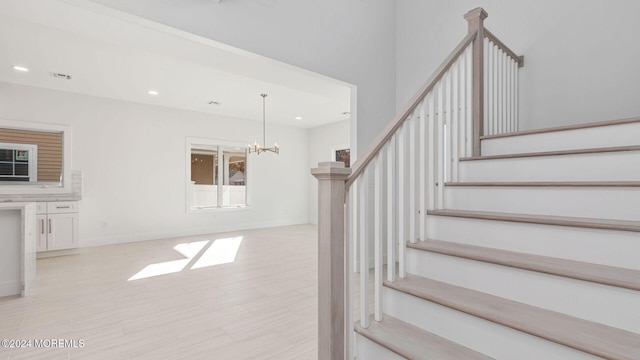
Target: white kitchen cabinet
58	225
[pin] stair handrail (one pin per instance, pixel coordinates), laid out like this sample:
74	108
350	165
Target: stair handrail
361	163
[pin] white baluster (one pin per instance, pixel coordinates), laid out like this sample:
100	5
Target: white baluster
487	84
355	223
422	188
448	89
498	118
440	150
512	95
489	94
402	196
391	206
455	119
505	88
413	202
496	90
433	156
508	90
514	68
517	101
469	102
377	250
462	93
364	249
514	91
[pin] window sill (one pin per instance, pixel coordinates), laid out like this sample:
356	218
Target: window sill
198	210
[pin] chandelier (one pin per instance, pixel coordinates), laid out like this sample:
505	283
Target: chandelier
256	148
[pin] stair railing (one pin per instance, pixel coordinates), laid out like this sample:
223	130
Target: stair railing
500	86
383	200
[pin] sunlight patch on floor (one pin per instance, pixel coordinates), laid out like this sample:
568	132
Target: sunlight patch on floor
191	250
222	251
163	268
204	253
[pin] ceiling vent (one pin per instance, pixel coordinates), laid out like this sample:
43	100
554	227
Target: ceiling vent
60	76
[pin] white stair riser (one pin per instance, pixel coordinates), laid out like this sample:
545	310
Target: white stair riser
367	349
608	305
613	166
591	202
603	136
606	247
486	337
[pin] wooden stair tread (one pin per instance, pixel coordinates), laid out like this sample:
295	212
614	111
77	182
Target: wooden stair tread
590	337
547	183
601	274
554	153
412	342
591	223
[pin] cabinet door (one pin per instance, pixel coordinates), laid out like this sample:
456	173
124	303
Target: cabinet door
41	236
63	231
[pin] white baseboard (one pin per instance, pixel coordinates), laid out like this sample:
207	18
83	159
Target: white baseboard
10	288
91	242
52	253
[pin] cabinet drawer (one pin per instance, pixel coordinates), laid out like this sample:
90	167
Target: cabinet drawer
59	207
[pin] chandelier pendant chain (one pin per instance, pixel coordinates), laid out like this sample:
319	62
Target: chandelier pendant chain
256	148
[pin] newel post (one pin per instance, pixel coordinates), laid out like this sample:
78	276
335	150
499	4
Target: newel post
475	18
331	255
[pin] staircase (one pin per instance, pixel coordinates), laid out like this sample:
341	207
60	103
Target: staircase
499	243
519	269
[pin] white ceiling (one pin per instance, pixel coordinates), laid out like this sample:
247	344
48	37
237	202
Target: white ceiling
117	55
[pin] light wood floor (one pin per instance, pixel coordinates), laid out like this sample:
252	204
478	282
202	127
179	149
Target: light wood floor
263	305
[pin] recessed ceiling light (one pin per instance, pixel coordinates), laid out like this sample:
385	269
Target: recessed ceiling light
152	92
20	68
298	117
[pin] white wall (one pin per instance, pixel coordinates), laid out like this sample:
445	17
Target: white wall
322	140
349	40
133	162
580	55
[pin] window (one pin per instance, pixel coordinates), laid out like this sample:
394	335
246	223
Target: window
217	175
18	162
49	158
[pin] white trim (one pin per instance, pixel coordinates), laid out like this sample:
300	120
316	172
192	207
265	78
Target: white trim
343	146
191	141
33	159
10	288
202	209
46	188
